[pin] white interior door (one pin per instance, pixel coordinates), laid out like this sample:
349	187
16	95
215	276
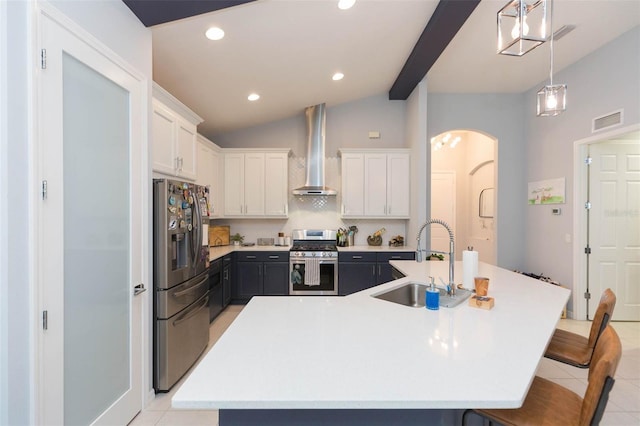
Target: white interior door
443	207
614	226
91	130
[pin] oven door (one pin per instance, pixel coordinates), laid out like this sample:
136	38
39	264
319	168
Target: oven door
328	278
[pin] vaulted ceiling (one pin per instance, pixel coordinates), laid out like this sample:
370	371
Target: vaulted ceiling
287	51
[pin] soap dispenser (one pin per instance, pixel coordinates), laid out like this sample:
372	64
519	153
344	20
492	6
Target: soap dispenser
433	296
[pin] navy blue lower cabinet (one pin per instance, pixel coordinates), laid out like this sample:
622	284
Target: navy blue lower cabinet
248	280
227	279
384	274
276	279
356	271
261	273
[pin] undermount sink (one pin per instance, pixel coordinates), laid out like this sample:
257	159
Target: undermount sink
413	295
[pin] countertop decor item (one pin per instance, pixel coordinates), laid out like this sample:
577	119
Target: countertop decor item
374	241
266	241
219	236
397	241
237	239
376	238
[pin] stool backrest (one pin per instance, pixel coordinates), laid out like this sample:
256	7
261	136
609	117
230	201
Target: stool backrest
604	363
602	316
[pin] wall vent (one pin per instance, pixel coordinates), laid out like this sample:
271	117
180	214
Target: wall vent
608	120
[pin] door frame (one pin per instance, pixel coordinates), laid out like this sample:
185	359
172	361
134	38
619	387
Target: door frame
580	179
39	11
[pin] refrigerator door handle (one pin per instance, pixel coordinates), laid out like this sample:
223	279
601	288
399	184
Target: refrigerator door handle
198	240
192	312
190	289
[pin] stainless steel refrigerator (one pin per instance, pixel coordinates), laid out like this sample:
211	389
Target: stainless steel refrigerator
181	285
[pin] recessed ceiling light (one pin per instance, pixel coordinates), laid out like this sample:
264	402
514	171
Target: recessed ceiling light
337	76
346	4
253	97
214	33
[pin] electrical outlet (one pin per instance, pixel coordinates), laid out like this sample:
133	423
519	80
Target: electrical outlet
556	211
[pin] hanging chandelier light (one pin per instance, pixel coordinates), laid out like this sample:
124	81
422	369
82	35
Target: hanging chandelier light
522	26
551	99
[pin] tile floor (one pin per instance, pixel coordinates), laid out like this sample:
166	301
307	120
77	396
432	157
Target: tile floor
623	407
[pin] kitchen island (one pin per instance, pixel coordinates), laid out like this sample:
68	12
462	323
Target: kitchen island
361	360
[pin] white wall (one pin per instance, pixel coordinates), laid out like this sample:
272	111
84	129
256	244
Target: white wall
347	126
16	290
129	39
499	116
605	81
416	131
4	227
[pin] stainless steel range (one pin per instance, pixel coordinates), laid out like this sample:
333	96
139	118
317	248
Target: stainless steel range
313	262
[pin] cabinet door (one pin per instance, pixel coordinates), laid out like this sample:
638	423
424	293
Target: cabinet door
249	279
226	285
385	274
276	185
162	134
353	277
352	185
215	191
254	177
276	279
186	138
398	182
375	184
233	184
204	165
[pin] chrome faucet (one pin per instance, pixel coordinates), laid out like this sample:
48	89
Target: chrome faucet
451	288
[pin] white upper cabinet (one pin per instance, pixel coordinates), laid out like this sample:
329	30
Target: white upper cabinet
375	183
352	185
276	201
173	136
209	167
256	183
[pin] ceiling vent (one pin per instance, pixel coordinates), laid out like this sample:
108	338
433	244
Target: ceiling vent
608	120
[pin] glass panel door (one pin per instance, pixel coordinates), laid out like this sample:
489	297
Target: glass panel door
97	283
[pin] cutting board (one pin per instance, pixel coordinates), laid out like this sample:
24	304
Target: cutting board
218	236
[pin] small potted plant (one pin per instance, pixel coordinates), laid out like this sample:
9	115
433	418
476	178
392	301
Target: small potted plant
436	256
237	239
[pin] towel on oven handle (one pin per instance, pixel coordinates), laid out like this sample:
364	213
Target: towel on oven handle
312	272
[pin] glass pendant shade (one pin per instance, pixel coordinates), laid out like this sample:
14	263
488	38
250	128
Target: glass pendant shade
522	26
552	100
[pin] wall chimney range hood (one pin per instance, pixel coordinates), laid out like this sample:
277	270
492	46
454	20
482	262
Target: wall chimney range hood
316	118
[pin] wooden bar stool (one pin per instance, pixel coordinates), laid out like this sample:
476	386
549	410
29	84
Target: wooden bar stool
549	403
574	349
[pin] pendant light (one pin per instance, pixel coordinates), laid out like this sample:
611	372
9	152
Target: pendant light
551	99
522	26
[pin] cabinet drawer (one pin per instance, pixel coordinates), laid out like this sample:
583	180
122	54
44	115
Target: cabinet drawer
263	256
357	256
387	256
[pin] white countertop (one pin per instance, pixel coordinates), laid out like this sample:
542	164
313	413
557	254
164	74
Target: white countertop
361	352
219	251
381	248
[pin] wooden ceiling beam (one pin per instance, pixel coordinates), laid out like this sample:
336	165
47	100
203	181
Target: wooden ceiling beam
154	12
444	24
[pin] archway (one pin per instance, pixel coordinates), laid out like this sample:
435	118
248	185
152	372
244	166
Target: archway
463	191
